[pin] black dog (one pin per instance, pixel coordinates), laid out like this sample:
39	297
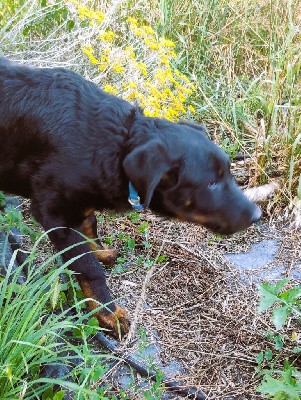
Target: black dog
72	149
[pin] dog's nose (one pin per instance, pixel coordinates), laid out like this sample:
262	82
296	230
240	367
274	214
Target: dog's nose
256	215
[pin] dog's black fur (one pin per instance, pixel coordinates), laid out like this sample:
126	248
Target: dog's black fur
72	149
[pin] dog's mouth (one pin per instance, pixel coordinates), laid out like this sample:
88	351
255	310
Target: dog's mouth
220	229
205	221
214	227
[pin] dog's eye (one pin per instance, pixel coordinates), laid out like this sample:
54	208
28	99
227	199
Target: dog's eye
212	184
188	203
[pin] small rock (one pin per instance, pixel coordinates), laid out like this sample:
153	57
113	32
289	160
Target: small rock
128	283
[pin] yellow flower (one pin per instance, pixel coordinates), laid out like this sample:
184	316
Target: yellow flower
118	68
151	113
181	97
84	12
88	51
130	85
166	43
153	102
182	76
131	96
151	44
172	54
87	48
149	30
164	59
170	114
99	16
102	67
104	58
160	75
110	89
141	72
132	21
107	36
130	53
191	109
137	31
141	67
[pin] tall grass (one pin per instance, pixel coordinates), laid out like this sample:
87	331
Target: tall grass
34	321
246	59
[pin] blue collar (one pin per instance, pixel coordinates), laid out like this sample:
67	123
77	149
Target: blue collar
134	198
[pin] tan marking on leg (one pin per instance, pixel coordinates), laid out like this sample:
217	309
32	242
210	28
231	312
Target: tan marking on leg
87	229
106	256
88	211
116	321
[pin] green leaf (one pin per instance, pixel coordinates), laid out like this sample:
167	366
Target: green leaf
267	299
273	386
299	188
279	339
268	354
259	357
98	372
296	350
275	288
91	327
279	316
70	25
291	295
59	395
130	243
2	199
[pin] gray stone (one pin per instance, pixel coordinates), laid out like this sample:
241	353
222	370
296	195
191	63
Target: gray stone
259	256
149	354
253	266
173	368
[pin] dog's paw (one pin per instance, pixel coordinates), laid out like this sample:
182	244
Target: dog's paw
111	317
116	322
107	256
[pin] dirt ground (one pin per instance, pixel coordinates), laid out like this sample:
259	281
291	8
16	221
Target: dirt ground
197	307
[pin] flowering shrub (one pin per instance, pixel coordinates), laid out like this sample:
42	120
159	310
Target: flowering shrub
135	64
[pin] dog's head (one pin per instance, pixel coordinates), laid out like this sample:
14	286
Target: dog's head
179	172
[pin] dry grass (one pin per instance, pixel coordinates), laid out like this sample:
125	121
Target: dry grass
198	307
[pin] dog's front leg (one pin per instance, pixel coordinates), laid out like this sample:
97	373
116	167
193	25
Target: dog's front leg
89	228
90	273
91	277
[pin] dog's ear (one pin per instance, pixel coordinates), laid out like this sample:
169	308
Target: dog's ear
145	166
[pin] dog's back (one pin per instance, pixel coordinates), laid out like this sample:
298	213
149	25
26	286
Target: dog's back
53	112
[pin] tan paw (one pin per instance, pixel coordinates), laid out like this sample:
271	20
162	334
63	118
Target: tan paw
107	257
116	322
